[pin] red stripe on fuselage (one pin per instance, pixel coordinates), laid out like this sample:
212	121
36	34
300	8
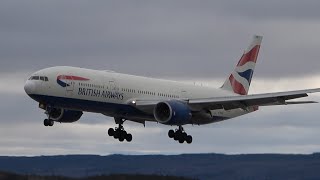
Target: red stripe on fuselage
252	55
76	78
236	86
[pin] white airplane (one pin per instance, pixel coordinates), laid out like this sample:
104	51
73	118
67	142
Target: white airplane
65	92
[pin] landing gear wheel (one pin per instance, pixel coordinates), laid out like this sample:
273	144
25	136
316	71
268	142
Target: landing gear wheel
122	135
51	123
121	139
129	137
184	135
189	139
116	134
171	133
111	132
176	136
48	122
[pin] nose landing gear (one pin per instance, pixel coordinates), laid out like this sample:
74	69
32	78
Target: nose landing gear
180	135
48	109
48	122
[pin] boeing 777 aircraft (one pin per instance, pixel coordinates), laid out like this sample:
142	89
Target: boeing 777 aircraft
64	93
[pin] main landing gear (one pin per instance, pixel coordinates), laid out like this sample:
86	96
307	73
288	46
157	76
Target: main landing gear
119	132
180	135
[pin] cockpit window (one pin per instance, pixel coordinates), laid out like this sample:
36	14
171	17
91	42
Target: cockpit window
35	78
42	78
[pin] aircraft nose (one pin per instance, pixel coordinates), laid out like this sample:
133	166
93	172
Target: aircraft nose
29	87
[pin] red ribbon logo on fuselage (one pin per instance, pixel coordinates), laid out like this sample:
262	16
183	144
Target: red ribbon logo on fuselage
61	79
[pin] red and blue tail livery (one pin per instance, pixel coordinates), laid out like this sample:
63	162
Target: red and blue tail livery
240	79
63	80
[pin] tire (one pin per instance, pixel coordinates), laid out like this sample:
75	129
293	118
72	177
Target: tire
189	139
184	135
50	122
181	141
121	139
129	137
46	122
124	134
176	136
171	133
111	132
116	134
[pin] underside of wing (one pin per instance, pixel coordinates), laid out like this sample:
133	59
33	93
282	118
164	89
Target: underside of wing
234	102
267	99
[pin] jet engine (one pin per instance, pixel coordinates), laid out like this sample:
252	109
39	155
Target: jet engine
64	115
172	112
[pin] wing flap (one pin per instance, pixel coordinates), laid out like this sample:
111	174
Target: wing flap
267	99
233	102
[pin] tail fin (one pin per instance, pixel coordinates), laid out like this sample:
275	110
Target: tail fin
240	79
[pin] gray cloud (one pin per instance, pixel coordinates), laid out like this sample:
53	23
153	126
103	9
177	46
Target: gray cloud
270	10
181	38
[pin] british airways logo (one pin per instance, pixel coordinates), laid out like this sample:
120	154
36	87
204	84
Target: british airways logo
61	79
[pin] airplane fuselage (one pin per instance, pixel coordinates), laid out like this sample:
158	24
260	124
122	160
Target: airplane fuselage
112	93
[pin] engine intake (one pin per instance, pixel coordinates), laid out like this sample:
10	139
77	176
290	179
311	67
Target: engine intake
64	115
172	113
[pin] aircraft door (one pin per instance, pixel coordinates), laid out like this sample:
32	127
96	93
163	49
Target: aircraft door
115	90
70	85
113	86
184	94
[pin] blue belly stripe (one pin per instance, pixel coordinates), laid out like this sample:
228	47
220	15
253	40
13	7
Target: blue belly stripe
91	106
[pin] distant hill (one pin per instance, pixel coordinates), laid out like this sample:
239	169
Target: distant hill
199	166
12	176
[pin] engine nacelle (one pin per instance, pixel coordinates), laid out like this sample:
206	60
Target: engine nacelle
172	113
64	115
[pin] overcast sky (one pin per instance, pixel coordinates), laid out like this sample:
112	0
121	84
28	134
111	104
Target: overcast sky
180	40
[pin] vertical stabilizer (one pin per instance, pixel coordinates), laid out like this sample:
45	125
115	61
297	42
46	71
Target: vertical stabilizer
240	79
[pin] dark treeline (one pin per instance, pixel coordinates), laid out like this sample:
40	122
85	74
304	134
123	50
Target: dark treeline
199	166
12	176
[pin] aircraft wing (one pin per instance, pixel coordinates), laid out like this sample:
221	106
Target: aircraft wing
266	99
234	102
